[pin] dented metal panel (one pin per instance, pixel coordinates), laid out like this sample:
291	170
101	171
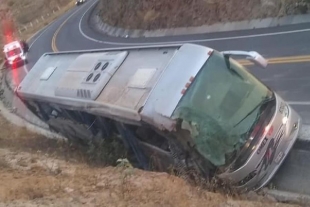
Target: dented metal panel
136	77
168	91
127	78
88	75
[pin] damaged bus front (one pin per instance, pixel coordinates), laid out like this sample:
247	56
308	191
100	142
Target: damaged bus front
242	127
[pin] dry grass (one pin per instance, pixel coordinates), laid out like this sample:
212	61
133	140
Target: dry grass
19	14
32	10
36	171
3	163
110	187
156	14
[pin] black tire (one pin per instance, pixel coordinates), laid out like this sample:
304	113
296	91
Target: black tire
25	46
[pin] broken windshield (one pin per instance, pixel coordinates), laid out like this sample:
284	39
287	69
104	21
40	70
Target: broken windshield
220	107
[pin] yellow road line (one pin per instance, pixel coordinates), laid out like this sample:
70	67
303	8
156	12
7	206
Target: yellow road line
281	60
54	46
301	57
276	60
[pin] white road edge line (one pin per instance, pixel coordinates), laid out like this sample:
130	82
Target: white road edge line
49	26
188	41
41	31
66	20
44	30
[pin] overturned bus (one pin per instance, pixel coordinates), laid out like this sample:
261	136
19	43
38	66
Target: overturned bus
185	105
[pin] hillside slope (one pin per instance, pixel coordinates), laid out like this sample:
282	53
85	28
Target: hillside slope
36	171
21	18
157	14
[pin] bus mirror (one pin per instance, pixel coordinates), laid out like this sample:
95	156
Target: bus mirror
257	59
252	56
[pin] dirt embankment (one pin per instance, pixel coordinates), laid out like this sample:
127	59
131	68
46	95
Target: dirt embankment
158	14
36	171
26	11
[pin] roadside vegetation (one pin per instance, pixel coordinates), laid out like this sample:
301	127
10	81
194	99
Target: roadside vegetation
21	19
37	171
159	14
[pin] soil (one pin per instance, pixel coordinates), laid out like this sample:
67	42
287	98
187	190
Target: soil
37	171
159	14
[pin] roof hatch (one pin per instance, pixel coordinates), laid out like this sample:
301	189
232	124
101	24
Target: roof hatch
88	74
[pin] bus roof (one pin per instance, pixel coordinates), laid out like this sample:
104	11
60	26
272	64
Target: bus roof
118	82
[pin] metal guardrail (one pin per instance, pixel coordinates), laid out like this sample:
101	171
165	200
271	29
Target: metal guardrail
31	24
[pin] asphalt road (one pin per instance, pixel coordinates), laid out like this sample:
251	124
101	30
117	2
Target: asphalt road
288	76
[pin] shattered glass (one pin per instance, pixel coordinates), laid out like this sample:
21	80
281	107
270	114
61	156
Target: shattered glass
220	107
